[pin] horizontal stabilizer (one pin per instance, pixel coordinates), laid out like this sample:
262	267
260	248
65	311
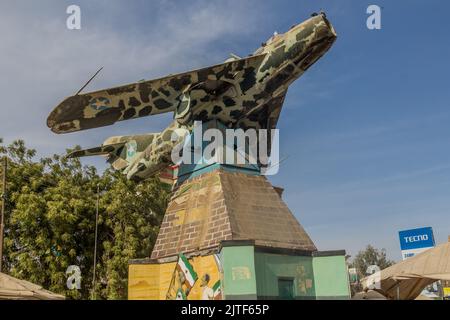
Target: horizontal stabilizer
97	151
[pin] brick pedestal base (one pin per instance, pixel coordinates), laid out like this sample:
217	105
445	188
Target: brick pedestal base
222	205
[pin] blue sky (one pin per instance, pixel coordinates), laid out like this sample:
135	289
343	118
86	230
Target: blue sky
366	128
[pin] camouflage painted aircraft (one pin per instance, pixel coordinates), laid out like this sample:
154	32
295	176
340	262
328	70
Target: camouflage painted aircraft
241	93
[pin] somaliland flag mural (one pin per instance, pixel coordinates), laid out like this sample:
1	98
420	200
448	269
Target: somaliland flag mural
186	268
217	291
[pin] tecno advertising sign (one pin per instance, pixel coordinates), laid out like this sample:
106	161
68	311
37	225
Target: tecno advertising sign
415	241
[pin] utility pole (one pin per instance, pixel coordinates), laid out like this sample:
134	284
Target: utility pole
2	219
95	244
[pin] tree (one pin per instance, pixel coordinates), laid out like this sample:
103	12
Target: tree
129	227
50	222
370	256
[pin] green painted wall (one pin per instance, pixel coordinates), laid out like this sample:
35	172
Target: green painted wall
239	280
331	277
270	268
257	275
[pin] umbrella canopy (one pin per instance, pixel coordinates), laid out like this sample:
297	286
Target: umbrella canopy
16	289
406	280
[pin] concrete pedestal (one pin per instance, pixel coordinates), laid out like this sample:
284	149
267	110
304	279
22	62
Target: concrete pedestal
235	238
235	228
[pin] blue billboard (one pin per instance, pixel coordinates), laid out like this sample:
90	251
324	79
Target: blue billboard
416	238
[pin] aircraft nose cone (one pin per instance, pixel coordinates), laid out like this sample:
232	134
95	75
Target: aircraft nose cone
330	27
323	30
323	27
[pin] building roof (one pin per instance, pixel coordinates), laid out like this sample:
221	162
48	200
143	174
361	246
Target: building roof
15	289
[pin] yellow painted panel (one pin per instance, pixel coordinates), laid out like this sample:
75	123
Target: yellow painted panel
143	279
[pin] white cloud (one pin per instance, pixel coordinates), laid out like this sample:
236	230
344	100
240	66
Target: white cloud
42	62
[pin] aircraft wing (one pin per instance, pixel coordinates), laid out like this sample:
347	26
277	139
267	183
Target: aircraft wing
97	151
265	116
275	105
273	112
105	107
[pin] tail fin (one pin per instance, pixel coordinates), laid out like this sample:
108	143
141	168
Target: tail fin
120	150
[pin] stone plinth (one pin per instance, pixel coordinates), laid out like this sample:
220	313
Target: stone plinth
226	205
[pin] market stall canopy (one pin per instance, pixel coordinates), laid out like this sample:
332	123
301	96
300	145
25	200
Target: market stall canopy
16	289
406	280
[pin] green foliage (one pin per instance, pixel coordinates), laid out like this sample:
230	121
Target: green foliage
50	222
370	256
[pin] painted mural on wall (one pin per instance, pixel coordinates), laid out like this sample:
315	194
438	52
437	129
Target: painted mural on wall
198	278
185	277
304	281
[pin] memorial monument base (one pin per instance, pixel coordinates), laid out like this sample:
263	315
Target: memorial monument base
228	229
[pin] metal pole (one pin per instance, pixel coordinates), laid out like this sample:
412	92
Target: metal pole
95	244
2	220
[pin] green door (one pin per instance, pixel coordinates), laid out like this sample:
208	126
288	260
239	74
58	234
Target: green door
286	289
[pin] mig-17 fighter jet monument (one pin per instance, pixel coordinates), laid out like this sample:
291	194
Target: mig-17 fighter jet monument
227	233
